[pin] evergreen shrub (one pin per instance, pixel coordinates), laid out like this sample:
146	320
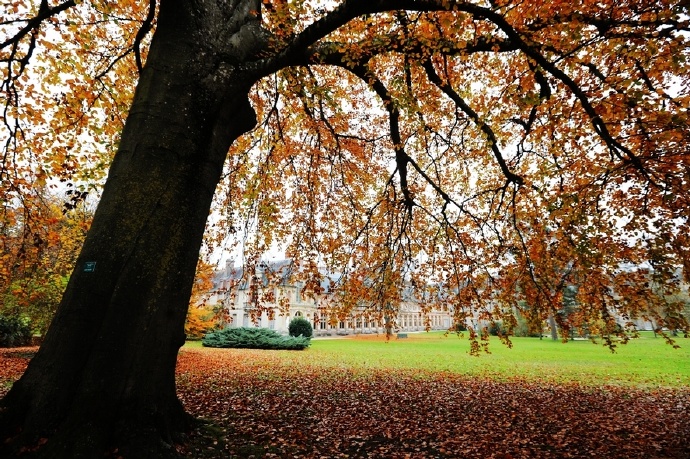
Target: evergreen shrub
14	332
497	328
299	326
254	338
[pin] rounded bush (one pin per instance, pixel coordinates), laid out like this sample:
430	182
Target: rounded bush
460	327
300	326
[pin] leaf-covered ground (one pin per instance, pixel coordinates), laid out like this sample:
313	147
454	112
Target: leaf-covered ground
259	406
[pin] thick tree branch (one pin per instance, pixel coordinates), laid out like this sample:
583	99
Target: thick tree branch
297	50
142	32
338	53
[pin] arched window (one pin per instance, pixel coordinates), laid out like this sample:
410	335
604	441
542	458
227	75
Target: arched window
298	314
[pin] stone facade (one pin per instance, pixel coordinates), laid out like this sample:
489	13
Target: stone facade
269	299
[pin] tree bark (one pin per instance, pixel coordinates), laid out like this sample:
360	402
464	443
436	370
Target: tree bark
105	374
553	326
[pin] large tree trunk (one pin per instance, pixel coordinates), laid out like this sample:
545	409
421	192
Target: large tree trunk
104	376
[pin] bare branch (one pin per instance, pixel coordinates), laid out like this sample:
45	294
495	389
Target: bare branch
485	128
619	150
44	12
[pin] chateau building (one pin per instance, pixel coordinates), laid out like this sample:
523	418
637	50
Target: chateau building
270	299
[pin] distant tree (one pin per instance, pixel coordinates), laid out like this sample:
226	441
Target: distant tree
201	316
476	144
14	331
200	320
40	249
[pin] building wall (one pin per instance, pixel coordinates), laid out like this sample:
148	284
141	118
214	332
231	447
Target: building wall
240	306
289	302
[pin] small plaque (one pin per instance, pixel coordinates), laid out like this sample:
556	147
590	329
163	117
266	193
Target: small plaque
89	266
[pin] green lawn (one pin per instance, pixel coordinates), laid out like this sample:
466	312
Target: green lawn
646	362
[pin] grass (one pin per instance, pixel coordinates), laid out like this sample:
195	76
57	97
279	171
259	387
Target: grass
647	362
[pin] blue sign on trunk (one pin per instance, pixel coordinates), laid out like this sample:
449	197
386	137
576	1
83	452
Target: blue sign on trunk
89	266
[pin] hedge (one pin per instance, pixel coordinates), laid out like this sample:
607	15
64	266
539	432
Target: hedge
253	338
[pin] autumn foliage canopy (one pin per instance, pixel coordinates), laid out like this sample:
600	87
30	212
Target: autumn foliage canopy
489	153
